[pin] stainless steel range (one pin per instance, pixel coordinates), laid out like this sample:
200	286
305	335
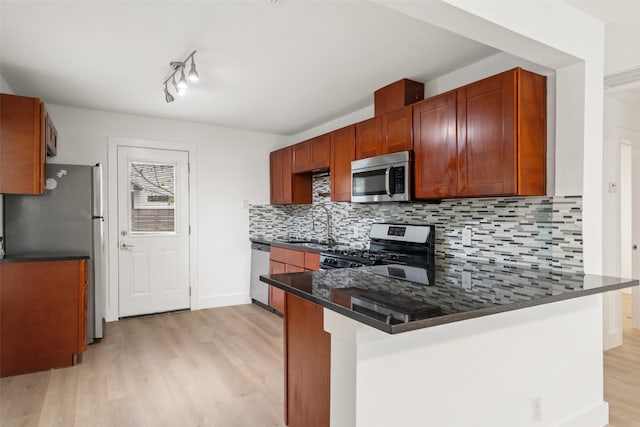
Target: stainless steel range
398	250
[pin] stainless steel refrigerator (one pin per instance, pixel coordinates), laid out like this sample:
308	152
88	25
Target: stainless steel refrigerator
66	219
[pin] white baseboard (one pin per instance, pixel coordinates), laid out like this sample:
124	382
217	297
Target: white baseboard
598	416
223	300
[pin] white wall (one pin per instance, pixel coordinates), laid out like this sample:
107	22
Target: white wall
478	372
231	165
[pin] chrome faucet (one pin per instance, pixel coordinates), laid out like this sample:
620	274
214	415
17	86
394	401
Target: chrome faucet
327	223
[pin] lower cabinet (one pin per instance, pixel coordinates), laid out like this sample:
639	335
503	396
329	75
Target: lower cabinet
307	347
307	364
285	260
43	308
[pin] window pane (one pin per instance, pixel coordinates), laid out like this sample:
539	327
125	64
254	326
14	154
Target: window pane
152	187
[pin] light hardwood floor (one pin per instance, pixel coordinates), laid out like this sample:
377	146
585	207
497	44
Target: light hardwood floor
215	367
622	374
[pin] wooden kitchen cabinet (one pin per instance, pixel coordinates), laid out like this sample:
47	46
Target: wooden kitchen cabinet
369	138
287	187
308	364
43	306
397	95
307	347
484	139
397	131
501	124
285	260
435	149
312	155
343	151
390	133
26	128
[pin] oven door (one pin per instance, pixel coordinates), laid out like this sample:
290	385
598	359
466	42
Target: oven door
381	179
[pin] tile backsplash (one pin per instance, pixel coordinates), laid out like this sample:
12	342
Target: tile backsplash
539	232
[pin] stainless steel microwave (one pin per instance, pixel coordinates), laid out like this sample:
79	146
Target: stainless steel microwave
382	178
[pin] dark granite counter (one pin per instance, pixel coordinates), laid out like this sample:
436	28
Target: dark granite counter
299	245
43	257
381	302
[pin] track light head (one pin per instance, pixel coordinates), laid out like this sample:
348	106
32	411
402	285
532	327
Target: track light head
182	83
193	73
167	96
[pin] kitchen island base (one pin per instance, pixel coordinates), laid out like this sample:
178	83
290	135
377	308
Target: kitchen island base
540	365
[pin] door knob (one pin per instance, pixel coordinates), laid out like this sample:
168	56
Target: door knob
123	245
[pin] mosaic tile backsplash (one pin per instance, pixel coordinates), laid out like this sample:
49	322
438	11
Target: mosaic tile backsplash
538	232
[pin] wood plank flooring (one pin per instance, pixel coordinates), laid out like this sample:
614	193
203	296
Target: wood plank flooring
215	367
622	374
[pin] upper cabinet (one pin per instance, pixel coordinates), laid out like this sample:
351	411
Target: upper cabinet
286	187
502	135
343	149
312	155
397	131
396	95
369	138
389	133
26	129
484	139
487	138
435	154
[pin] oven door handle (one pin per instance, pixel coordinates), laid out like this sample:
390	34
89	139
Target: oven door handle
387	181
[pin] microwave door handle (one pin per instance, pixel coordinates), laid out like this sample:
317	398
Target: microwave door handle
387	181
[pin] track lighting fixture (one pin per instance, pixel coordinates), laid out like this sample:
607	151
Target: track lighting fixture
180	87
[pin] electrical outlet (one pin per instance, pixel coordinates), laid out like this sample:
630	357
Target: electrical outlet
466	280
536	409
355	231
466	236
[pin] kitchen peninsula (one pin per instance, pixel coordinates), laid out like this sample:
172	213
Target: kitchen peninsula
503	345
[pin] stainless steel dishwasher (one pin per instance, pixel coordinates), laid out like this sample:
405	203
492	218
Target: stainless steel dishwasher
259	291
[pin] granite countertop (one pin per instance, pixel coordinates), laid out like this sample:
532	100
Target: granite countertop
35	257
300	245
488	289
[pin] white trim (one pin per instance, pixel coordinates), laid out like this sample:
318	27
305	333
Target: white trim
223	300
112	216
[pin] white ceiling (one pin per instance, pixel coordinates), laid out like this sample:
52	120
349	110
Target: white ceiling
279	67
622	33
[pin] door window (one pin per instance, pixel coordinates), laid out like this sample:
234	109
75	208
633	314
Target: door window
153	199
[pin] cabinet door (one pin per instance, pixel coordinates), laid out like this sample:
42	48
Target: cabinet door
307	364
369	138
342	153
320	152
276	296
287	181
22	149
397	131
486	136
275	176
435	154
301	157
42	321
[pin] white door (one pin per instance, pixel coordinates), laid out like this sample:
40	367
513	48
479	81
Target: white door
153	230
